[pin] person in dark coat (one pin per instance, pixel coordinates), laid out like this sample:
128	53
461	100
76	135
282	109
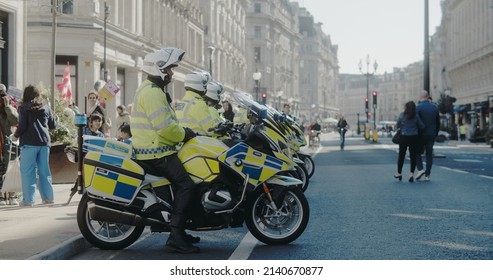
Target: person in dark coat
35	119
428	112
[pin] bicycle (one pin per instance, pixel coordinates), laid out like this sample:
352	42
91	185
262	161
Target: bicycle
314	139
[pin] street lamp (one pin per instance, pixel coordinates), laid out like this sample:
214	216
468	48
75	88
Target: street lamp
211	53
368	75
106	15
256	77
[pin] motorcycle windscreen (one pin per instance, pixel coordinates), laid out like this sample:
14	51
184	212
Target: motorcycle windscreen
112	177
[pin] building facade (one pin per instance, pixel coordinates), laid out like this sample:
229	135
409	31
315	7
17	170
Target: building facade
467	44
12	44
133	29
272	49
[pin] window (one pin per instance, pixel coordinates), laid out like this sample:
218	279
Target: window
67	7
258	32
257	8
256	54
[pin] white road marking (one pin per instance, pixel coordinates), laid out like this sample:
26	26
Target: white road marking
412	216
454	246
245	248
468	160
453	211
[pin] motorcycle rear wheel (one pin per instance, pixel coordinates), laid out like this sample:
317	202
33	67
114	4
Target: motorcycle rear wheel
282	226
105	235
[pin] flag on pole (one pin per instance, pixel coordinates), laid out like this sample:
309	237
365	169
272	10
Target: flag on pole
65	87
109	90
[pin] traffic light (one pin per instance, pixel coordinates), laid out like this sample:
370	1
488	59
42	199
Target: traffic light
374	93
264	97
366	104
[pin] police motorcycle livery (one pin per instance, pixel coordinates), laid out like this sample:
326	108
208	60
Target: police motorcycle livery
235	184
275	133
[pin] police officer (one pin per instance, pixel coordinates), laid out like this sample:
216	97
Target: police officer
192	111
212	98
156	131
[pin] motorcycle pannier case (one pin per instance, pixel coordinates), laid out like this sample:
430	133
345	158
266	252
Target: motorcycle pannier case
112	176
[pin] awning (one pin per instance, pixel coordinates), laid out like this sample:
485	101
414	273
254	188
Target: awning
459	108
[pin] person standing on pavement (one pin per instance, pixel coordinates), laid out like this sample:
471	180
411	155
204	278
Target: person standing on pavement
428	113
95	107
8	118
122	118
228	111
35	119
410	124
92	128
156	132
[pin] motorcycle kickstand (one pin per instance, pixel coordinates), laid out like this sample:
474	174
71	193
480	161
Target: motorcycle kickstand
73	191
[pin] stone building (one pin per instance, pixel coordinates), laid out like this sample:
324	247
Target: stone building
133	29
12	45
467	42
272	49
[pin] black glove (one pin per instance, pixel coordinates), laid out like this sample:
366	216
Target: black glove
189	134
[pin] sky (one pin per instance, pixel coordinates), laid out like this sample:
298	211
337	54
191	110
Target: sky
389	31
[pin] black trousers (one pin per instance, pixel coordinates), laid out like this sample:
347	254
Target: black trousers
172	168
411	142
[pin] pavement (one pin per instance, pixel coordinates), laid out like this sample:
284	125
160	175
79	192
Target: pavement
50	232
42	232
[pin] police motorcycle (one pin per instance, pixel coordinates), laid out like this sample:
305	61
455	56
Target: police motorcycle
295	138
299	141
274	133
235	184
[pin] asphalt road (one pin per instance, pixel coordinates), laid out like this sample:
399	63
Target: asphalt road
360	212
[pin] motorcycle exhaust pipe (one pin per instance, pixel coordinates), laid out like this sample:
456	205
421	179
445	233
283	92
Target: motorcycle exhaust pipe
110	215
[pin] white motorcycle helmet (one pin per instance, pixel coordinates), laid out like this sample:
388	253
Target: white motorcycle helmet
214	90
156	62
197	81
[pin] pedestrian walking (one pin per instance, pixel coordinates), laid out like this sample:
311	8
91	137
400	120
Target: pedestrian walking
156	132
8	119
428	113
463	132
35	119
410	124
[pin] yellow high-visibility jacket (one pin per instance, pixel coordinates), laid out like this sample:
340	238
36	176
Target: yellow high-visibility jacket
194	113
155	128
241	116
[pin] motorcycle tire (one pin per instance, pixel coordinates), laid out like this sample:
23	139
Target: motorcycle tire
105	235
278	227
303	176
309	164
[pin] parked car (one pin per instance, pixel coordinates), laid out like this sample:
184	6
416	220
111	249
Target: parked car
442	136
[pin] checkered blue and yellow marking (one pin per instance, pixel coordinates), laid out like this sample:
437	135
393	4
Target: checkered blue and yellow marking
245	160
112	176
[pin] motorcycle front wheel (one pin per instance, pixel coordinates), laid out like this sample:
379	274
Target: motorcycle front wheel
278	226
309	164
105	235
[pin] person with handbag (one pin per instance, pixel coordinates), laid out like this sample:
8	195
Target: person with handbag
409	124
8	119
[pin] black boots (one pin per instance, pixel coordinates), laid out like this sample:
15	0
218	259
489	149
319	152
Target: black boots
179	243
